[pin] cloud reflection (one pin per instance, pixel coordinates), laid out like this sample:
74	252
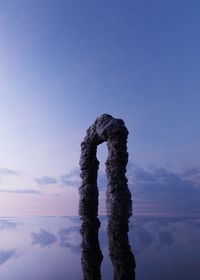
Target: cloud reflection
43	238
157	242
160	233
5	255
7	224
70	238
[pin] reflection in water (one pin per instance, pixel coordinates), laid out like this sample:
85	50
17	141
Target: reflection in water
43	238
91	253
120	251
165	247
6	255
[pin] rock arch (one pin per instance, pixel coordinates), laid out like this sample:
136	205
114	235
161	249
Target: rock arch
112	130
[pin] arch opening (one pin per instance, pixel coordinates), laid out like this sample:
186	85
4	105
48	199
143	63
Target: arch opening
113	131
118	199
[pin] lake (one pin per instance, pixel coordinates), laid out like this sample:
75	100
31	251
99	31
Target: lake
164	246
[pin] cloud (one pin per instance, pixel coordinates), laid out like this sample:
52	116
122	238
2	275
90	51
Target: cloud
45	180
43	238
165	187
23	191
5	255
192	173
6	171
72	178
156	187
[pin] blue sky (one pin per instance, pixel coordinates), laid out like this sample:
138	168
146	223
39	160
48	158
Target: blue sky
63	63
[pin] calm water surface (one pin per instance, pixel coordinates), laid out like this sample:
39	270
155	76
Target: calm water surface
50	248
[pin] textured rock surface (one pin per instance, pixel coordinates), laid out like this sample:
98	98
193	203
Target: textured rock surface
105	128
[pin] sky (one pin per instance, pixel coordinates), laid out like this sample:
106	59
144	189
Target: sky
64	63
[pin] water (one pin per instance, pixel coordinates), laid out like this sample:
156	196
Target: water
165	247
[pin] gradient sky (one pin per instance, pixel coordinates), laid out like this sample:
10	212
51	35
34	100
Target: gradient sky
64	63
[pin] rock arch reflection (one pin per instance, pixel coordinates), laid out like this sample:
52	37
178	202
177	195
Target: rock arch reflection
120	250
